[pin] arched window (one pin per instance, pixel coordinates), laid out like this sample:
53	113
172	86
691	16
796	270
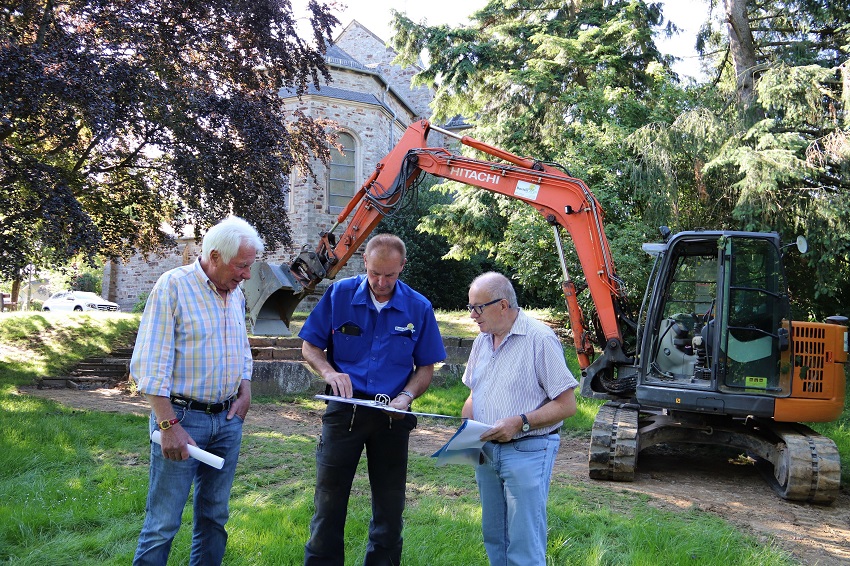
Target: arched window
343	171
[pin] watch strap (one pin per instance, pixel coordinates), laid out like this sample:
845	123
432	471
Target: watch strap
167	424
526	426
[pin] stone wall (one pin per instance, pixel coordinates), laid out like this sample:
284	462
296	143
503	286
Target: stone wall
280	370
124	282
373	52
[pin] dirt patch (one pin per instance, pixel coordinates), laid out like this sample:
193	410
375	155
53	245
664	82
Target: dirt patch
710	480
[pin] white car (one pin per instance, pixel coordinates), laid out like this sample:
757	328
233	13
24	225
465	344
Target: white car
78	301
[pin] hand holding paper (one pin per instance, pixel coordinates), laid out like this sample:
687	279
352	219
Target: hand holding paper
465	446
202	455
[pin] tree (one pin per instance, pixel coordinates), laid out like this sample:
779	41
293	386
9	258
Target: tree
118	117
770	143
563	82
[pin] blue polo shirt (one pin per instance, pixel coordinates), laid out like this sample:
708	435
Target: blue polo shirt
378	350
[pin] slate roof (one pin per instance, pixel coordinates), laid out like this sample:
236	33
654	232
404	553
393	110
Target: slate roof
336	56
338	93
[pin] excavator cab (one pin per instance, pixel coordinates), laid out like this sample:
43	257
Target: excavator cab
717	325
722	363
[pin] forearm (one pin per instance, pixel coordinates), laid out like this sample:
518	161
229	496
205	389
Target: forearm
466	411
555	411
420	380
415	386
161	407
317	359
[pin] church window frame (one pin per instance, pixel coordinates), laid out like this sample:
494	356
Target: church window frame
343	171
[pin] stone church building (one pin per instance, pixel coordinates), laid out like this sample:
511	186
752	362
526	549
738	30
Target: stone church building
372	102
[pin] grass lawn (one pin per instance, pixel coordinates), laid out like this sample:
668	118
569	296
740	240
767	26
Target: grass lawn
73	483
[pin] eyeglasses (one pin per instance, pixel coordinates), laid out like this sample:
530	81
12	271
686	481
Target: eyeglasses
479	309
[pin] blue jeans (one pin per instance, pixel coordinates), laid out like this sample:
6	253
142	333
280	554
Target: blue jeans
170	482
513	483
345	432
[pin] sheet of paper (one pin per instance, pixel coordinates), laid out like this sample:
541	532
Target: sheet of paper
202	455
380	405
465	446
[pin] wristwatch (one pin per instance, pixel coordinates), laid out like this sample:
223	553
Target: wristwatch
525	426
165	425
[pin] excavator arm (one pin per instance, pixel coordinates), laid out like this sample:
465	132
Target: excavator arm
563	201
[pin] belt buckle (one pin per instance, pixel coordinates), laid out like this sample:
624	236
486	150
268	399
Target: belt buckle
208	410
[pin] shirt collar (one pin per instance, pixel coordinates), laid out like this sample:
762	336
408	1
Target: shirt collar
362	297
203	279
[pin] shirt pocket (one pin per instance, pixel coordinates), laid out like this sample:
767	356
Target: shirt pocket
348	343
401	345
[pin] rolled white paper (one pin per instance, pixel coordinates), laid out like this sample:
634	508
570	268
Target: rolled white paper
202	455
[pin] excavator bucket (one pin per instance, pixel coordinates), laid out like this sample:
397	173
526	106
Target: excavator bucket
271	296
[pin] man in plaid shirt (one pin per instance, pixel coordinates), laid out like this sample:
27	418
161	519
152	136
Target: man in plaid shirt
193	362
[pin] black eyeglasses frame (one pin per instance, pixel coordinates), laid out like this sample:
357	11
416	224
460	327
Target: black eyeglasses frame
479	309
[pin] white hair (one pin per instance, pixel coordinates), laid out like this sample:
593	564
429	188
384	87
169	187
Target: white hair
228	236
496	286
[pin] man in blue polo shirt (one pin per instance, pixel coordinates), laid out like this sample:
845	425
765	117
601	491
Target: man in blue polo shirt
381	338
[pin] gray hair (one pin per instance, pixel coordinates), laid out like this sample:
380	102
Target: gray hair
228	236
496	286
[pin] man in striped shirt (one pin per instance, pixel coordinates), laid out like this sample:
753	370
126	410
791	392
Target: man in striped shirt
193	363
520	384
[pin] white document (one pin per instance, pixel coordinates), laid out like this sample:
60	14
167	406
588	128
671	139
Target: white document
465	446
202	455
381	404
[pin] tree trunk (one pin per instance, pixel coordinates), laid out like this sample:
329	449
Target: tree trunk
743	50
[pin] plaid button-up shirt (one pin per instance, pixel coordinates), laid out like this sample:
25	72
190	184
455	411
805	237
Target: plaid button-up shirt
191	342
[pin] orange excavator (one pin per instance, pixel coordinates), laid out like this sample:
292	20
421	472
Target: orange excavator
712	357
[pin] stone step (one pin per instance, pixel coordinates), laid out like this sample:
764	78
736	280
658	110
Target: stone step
275	342
108	364
271	353
105	372
121	353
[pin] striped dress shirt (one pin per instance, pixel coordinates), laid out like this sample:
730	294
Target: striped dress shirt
525	372
191	342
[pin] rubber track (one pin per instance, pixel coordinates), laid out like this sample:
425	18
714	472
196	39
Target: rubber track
809	467
613	444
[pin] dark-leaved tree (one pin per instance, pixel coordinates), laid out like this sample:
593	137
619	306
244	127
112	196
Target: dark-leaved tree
120	117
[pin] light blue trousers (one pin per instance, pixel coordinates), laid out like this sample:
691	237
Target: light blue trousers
170	482
513	483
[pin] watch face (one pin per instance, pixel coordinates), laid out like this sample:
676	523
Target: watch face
525	427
